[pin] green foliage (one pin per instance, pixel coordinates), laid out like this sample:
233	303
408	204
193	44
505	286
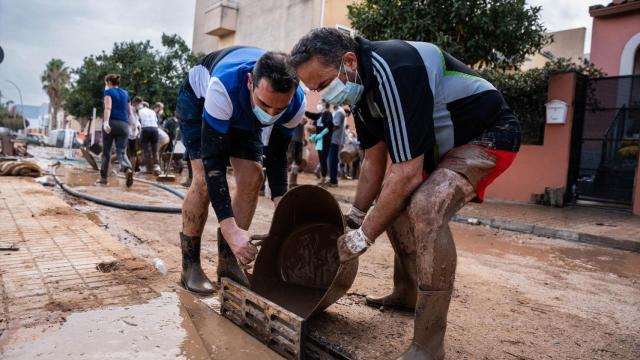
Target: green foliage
526	92
151	74
10	119
481	33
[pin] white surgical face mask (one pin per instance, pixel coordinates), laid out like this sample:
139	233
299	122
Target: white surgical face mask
338	93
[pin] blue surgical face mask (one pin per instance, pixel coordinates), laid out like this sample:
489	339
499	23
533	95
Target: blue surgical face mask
339	93
263	116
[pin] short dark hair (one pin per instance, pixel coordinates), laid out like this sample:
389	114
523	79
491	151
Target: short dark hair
274	66
137	100
113	79
328	44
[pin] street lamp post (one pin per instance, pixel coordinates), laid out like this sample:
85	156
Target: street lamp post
24	124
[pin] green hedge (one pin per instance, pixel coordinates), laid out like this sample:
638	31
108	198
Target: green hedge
526	92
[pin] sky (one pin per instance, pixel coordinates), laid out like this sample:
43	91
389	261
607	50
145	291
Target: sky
34	31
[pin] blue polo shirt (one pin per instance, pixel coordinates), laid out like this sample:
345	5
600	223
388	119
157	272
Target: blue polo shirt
227	100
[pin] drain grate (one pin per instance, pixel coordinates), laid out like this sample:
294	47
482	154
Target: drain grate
268	322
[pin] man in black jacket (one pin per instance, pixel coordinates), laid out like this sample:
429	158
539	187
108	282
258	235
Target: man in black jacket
448	133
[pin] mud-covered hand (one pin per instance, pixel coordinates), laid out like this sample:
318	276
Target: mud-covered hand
240	243
106	127
352	244
354	218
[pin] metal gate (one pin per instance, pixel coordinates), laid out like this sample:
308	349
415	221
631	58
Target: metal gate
605	156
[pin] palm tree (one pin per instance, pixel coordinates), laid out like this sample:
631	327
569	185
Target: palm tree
55	80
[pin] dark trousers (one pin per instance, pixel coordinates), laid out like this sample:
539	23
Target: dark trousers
323	156
120	134
149	141
334	151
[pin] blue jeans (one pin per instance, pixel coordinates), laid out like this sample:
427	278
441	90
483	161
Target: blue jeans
334	151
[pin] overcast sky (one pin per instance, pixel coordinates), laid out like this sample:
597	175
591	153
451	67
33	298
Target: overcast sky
34	31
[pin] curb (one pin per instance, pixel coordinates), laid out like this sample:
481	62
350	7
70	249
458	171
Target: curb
599	240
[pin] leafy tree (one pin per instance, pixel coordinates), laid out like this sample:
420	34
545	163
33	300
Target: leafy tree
10	119
55	81
481	33
145	72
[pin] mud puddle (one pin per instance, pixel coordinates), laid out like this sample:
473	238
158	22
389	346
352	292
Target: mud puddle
172	326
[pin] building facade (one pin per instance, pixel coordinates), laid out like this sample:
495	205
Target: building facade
615	43
566	44
269	24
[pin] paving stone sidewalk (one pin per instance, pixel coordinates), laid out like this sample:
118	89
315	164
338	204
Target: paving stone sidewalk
54	268
597	226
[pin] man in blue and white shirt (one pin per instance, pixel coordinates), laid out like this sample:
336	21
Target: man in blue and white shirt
239	92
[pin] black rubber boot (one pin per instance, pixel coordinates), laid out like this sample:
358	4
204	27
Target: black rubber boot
228	265
193	278
403	296
430	325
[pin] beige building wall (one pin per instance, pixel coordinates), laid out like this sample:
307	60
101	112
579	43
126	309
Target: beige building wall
202	42
269	24
335	13
566	43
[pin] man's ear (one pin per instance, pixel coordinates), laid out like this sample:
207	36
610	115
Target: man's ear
350	60
250	80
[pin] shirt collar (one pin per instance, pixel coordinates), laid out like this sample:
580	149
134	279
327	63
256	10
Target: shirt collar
363	53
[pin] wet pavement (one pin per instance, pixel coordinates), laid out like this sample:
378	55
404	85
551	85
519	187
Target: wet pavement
517	296
171	326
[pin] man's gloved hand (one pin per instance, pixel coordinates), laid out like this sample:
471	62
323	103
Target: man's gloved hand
106	127
352	244
354	217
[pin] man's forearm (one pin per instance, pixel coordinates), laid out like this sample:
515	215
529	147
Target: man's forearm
372	172
106	115
369	184
397	188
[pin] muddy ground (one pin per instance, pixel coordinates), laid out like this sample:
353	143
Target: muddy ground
516	296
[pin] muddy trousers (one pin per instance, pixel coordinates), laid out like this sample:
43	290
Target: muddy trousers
425	258
120	135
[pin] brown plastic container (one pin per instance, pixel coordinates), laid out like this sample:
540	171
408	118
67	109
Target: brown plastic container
298	266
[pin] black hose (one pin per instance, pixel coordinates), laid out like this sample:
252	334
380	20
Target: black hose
158	185
116	204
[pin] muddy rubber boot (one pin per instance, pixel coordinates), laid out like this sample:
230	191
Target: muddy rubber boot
193	278
403	296
227	263
430	325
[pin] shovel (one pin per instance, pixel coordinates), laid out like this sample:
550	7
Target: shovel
165	177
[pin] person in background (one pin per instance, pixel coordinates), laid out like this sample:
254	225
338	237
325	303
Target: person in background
170	126
134	133
149	138
295	150
325	122
158	108
337	140
116	117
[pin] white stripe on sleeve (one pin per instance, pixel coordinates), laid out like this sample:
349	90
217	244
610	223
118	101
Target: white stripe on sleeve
217	102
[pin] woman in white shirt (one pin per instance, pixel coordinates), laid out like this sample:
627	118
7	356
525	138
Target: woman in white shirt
149	137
